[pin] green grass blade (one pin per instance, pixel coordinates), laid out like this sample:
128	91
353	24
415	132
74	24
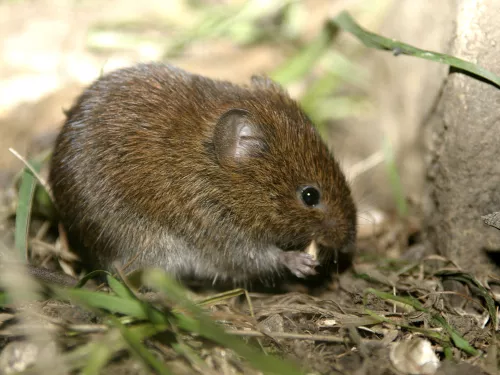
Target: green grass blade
476	287
424	331
24	206
99	355
123	291
79	357
410	301
119	288
457	339
191	356
395	179
114	304
203	325
4	299
372	40
238	22
301	64
43	205
136	347
89	276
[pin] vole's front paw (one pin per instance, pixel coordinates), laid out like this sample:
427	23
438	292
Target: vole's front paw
299	263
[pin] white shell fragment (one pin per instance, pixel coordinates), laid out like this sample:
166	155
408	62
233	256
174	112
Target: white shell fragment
326	323
18	356
414	357
312	250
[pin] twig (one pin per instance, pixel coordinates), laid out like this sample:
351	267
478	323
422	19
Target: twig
34	173
136	255
286	335
364	165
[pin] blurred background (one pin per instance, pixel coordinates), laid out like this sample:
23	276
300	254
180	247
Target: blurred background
368	105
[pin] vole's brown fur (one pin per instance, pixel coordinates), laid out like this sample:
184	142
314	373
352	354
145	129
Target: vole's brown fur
201	177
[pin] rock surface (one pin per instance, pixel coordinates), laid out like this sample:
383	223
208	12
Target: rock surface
464	172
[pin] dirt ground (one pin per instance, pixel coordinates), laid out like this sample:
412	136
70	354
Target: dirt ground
351	326
398	309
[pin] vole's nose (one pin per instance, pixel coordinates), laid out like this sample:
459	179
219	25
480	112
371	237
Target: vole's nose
335	234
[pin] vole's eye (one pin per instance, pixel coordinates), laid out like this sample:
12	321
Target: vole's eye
310	196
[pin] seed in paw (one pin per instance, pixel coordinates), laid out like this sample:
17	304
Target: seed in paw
299	263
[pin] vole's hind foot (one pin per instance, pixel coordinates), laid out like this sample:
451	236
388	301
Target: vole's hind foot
299	263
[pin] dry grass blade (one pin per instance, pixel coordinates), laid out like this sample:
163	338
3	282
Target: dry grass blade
209	301
287	335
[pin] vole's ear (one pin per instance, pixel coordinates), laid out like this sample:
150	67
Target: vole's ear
237	137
